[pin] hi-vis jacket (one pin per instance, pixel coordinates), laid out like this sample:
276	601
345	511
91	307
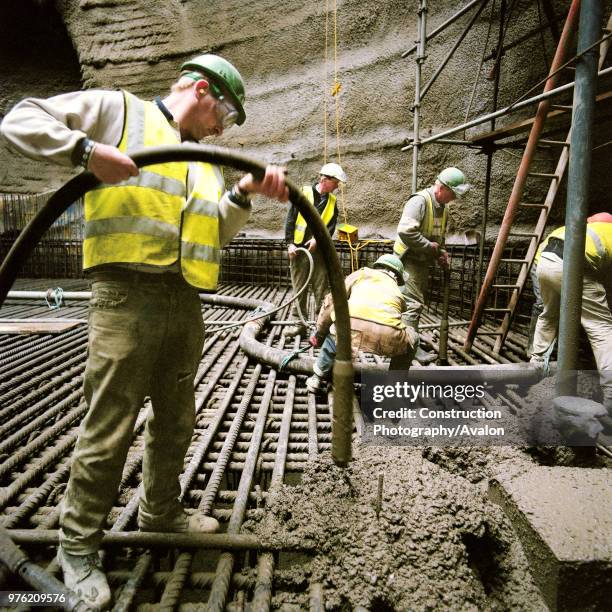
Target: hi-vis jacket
326	215
597	247
372	296
168	213
430	227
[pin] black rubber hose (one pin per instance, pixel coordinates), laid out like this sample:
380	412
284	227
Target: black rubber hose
342	425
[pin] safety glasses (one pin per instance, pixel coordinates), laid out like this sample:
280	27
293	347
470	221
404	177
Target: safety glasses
227	115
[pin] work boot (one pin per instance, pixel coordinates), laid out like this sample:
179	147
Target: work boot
424	357
315	383
177	521
538	364
294	330
83	574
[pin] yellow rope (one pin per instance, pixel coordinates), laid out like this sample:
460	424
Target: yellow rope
335	93
325	86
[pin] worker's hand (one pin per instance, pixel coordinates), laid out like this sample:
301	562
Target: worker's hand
435	247
316	339
443	259
110	165
311	245
272	185
292	251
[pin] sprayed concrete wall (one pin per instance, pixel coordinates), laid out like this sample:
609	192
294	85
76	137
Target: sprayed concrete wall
280	50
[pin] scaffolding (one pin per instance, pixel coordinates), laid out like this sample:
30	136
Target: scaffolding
498	138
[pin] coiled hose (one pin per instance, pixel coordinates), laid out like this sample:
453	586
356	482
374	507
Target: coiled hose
342	425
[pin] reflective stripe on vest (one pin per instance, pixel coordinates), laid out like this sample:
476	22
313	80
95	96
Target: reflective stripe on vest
200	247
430	228
376	297
300	222
149	219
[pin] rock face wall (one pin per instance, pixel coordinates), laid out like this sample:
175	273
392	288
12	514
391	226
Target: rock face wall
51	47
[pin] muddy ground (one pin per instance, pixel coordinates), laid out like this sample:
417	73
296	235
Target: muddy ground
438	542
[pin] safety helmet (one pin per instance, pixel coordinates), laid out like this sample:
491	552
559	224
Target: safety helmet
454	179
602	217
225	73
393	263
335	171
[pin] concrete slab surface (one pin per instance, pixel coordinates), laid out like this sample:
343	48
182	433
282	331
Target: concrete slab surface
564	519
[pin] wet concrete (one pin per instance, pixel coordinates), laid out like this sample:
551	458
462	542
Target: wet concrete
439	543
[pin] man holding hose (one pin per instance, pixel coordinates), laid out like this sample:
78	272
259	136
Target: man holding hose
152	240
297	234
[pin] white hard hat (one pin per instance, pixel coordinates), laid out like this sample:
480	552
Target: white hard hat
335	171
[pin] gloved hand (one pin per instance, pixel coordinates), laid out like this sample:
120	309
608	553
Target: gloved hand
316	339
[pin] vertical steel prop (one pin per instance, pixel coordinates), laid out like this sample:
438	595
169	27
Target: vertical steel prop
420	58
342	425
443	347
577	205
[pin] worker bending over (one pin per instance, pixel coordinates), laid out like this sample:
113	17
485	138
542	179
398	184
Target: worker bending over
376	304
538	304
150	243
298	234
595	316
422	227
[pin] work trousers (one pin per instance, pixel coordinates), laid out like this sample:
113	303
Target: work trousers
370	337
318	282
416	281
595	317
145	339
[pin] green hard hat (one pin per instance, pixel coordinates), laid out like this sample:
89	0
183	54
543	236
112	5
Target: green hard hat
223	72
393	263
454	179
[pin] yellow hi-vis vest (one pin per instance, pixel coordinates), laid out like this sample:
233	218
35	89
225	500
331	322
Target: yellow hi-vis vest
168	212
433	229
300	222
556	233
376	297
597	246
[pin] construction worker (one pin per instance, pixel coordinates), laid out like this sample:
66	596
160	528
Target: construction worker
595	317
376	304
538	304
150	244
298	234
421	230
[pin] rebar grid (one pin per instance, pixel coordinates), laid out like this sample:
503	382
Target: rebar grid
255	429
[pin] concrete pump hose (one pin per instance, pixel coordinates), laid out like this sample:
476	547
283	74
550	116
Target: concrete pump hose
268	312
30	236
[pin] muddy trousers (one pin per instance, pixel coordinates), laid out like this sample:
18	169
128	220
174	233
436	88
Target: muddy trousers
145	339
414	289
370	337
318	282
595	317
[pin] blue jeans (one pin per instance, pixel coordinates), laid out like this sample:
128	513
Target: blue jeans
325	362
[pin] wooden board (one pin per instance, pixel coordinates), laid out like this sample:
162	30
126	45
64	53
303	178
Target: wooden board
525	124
38	326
